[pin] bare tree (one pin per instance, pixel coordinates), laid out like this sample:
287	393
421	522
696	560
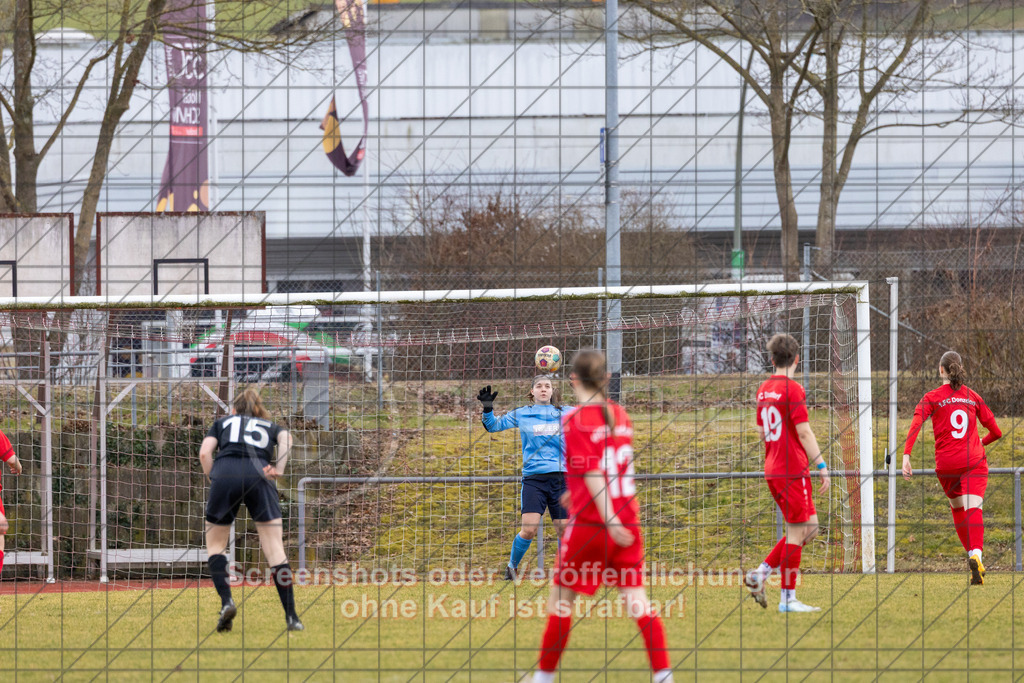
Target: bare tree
124	38
846	62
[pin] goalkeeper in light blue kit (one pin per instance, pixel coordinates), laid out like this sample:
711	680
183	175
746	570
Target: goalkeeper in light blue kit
540	427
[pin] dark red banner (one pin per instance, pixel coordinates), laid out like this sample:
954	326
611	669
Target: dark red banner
353	18
185	185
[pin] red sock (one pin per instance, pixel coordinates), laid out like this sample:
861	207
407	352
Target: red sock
775	556
790	565
653	632
959	524
1	560
975	528
556	637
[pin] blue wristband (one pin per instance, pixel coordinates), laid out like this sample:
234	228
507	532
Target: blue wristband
821	465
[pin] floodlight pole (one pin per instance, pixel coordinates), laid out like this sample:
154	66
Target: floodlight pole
738	256
613	255
367	272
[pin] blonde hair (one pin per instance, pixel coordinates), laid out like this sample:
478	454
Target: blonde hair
591	370
248	402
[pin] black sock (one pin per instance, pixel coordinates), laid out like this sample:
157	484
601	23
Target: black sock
283	579
219	572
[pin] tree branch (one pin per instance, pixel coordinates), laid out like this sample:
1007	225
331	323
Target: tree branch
707	42
791	102
74	100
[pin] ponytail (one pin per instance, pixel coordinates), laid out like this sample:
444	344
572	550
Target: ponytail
953	364
591	371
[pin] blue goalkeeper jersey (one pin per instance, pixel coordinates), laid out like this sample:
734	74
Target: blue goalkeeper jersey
540	427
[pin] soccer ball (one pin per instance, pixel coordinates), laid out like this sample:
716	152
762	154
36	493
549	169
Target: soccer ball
548	359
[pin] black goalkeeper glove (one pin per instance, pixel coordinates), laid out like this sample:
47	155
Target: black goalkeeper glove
486	396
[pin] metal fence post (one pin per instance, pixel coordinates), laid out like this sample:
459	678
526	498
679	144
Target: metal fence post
300	495
380	349
540	544
598	335
805	275
134	370
292	376
102	400
894	326
47	448
1016	521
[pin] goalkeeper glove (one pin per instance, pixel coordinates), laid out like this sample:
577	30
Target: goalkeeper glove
487	398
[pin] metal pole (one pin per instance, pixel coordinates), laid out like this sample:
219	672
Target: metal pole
780	524
894	327
865	432
540	544
295	384
1016	521
134	371
613	256
805	275
231	546
300	495
600	310
380	350
212	148
367	274
102	380
47	438
231	372
738	256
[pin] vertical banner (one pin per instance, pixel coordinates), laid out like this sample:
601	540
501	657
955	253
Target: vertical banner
353	18
185	185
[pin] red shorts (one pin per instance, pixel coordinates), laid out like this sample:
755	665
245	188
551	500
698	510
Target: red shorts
589	559
793	495
971	482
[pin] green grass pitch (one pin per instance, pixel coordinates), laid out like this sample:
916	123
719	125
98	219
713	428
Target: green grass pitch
873	627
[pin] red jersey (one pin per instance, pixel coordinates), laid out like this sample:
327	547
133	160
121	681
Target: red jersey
589	446
955	416
780	408
6	450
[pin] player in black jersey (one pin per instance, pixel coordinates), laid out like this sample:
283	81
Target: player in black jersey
242	472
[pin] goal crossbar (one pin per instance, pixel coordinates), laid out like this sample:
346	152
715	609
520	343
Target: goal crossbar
257	299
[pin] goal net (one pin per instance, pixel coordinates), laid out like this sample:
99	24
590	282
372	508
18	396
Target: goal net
392	469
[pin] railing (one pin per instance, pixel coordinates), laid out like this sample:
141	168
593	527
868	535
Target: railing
1018	541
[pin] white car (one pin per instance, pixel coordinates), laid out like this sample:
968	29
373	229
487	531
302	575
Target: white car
264	351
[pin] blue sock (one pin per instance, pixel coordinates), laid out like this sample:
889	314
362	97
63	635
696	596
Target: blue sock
519	547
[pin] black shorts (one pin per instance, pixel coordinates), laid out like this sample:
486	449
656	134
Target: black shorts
541	493
234	481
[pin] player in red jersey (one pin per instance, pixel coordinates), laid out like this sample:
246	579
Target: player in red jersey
602	545
960	461
782	423
8	455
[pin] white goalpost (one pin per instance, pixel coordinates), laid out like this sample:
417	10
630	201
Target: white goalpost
398	472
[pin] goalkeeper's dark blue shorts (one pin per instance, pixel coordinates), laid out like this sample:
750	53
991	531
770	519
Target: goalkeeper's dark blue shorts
234	481
541	492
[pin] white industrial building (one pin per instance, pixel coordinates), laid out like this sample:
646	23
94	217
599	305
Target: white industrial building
464	112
